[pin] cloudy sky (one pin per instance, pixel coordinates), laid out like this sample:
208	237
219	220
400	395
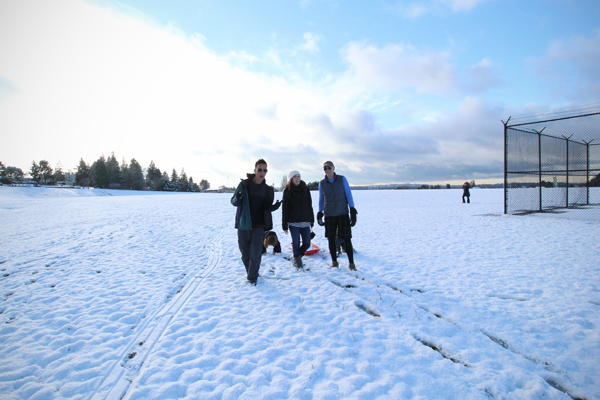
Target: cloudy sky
389	90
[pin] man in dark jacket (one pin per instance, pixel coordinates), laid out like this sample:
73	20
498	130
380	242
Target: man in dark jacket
254	201
334	199
466	192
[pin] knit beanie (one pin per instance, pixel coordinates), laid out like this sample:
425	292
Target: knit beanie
291	175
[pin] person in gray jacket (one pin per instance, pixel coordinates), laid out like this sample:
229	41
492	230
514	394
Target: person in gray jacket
335	197
254	201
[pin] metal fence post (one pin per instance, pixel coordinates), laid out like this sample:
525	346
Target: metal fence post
540	167
505	165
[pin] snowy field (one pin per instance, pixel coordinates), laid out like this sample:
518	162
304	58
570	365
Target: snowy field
116	294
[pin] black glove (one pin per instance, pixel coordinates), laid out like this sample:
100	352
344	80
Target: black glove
239	195
320	218
353	213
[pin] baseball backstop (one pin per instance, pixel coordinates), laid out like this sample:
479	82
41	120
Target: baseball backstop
552	164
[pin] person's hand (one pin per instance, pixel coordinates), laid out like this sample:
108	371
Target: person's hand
320	218
276	205
286	232
353	213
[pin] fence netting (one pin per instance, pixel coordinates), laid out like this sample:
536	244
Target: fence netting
553	165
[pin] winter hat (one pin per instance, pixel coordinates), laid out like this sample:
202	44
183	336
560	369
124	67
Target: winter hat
328	164
291	175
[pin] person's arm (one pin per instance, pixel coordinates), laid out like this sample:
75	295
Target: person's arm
321	199
348	193
312	213
238	195
285	211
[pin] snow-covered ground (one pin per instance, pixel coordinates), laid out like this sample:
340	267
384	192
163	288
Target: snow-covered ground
142	295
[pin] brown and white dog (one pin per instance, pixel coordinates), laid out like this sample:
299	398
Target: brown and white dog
271	239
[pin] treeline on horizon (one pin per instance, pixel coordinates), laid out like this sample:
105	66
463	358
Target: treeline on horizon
107	173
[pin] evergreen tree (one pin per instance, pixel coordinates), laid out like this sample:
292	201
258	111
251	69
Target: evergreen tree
125	174
99	173
182	182
174	177
166	183
154	177
136	175
115	178
83	175
3	174
313	185
193	186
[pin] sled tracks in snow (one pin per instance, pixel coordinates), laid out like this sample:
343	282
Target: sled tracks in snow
119	379
368	293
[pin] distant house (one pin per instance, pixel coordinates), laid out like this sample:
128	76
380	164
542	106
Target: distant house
221	189
70	178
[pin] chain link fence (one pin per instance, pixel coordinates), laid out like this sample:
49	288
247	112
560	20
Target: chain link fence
553	165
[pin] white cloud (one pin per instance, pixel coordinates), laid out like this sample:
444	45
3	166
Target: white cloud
463	5
570	67
425	7
311	41
91	82
401	67
80	81
482	76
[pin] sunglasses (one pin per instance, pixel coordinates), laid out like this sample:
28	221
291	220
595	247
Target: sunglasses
326	168
262	170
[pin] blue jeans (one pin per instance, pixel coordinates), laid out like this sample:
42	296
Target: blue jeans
296	233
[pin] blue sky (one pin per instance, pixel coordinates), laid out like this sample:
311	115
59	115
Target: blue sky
390	91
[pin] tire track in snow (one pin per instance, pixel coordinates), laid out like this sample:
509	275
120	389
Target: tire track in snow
117	382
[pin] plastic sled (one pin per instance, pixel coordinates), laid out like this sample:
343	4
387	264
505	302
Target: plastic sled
314	249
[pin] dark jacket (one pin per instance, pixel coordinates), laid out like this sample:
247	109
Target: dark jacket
243	217
334	194
297	205
466	192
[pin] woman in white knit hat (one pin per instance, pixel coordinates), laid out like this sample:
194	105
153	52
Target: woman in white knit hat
297	215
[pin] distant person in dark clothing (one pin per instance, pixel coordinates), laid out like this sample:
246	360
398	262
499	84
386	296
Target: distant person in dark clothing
466	192
335	198
297	215
254	201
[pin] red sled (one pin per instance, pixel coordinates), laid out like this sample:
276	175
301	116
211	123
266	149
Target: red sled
314	249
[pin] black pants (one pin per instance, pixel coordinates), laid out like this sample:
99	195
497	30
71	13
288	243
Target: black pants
251	244
339	226
468	198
